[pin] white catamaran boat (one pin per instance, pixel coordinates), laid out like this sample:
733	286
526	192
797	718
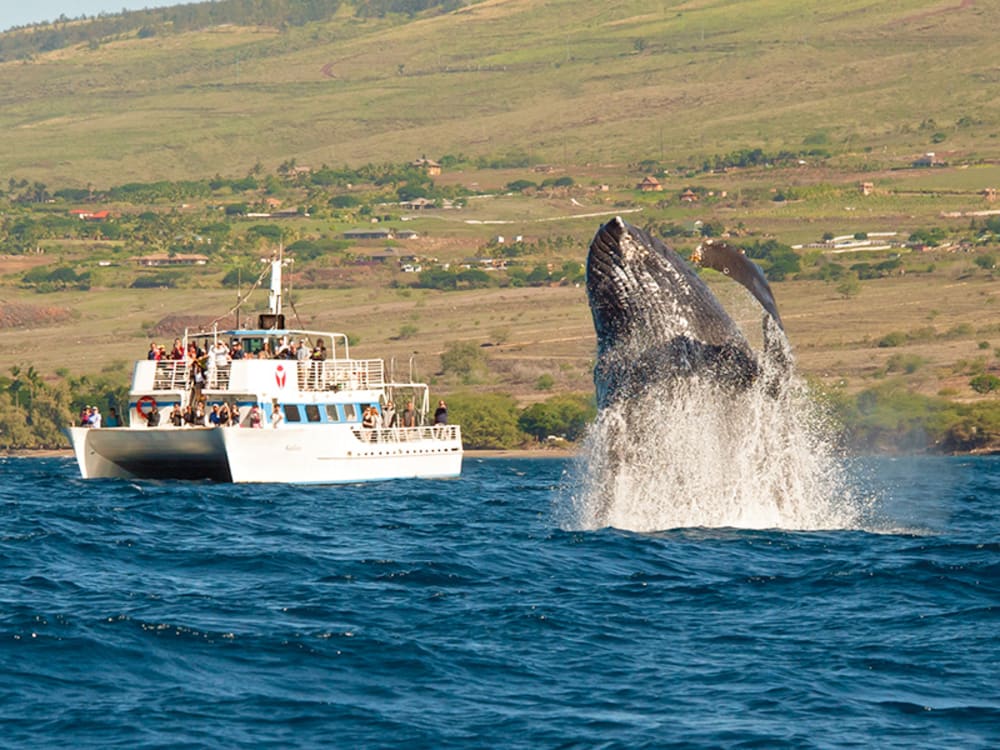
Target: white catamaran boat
299	421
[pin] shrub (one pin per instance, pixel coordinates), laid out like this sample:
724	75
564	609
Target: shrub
896	338
985	383
907	363
544	382
463	359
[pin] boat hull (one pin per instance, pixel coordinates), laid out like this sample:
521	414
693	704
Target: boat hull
298	455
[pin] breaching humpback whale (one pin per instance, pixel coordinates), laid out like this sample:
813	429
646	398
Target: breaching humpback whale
656	320
695	426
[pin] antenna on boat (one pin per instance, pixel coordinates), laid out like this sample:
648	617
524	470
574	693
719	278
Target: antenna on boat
239	290
274	298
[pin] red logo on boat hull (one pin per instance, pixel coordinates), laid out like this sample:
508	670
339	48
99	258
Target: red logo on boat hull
279	376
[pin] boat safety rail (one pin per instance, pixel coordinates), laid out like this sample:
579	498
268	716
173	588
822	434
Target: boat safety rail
175	374
218	377
341	374
170	375
406	434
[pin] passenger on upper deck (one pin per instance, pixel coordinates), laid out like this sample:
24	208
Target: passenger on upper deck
441	413
177	353
409	415
265	351
154	351
236	350
389	415
302	351
319	351
283	348
220	354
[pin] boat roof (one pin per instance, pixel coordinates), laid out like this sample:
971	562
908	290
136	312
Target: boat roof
266	332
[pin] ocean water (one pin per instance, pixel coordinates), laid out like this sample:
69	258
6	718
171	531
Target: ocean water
482	613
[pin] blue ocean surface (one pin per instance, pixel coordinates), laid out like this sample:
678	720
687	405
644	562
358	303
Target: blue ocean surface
469	614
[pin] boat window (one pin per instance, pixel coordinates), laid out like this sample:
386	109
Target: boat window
331	413
292	413
312	412
350	413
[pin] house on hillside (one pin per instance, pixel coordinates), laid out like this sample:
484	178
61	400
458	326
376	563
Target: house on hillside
431	167
689	196
367	234
178	259
86	215
377	257
485	264
867	188
929	159
417	204
649	184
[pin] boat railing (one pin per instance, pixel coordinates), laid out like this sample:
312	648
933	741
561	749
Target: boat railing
218	376
443	432
170	375
175	374
311	375
341	374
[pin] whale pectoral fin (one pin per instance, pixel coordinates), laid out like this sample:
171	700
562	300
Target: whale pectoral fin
734	263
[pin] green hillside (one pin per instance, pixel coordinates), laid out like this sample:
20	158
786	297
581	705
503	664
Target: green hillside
568	82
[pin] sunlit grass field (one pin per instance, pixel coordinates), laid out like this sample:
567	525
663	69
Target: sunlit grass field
565	82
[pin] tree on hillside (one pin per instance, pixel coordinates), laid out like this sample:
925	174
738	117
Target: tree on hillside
987	262
564	416
489	420
464	359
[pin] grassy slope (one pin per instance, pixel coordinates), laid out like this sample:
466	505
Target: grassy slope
567	81
574	83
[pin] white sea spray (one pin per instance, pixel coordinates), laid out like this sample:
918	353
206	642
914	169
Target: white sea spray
692	452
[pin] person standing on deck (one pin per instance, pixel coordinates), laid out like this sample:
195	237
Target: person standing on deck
409	415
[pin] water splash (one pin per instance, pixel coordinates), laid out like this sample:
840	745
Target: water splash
690	453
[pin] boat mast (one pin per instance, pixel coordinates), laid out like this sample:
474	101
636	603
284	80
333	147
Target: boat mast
274	298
